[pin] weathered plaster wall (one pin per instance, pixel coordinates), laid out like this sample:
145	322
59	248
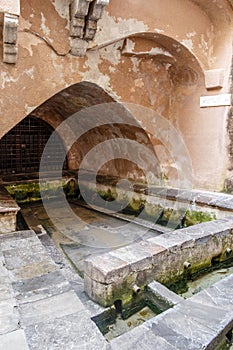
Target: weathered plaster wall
196	34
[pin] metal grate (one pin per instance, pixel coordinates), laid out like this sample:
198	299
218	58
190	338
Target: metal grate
22	147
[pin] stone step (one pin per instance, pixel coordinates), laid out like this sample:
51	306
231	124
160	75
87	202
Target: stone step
38	307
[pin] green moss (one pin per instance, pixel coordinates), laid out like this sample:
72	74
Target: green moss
71	189
197	217
31	191
179	283
108	195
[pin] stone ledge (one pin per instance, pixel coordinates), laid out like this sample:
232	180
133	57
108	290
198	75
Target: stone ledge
162	296
7	203
200	322
163	258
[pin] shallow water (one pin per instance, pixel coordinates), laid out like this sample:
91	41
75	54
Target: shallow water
206	281
121	326
89	234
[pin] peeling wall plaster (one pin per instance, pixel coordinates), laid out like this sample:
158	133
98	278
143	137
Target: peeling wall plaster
45	67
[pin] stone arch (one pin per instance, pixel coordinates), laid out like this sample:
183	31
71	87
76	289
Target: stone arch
165	76
80	96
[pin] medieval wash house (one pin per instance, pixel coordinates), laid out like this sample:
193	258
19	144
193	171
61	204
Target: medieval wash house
116	174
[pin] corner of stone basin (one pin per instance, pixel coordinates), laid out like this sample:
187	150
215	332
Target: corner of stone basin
115	275
105	268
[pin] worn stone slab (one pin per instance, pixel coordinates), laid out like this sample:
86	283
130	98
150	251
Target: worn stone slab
17	235
179	340
106	268
214	317
50	308
14	341
75	331
171	239
19	243
213	296
217	200
52	250
150	247
40	287
23	256
219	295
9	317
137	258
32	270
5	288
140	338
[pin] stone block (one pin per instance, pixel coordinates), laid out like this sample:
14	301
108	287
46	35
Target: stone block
50	308
10	28
12	243
216	297
32	270
14	340
5	288
99	292
151	248
23	256
40	287
171	240
75	331
19	235
9	318
162	295
180	340
10	54
7	222
140	338
90	30
77	27
106	268
214	78
78	47
10	6
212	316
79	8
96	11
137	258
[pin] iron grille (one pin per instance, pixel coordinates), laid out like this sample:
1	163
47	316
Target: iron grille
22	147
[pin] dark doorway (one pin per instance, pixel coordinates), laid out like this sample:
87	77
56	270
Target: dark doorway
22	147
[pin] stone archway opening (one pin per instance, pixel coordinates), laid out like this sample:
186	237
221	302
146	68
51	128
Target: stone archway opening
118	123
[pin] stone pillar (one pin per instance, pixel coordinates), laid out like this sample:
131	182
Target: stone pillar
10	27
95	13
229	177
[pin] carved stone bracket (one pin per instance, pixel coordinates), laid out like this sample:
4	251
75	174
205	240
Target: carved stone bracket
84	15
10	27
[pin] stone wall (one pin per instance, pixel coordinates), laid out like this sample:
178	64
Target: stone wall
8	212
229	178
165	258
154	54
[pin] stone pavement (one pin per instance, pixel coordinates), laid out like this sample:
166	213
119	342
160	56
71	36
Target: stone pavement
39	309
43	306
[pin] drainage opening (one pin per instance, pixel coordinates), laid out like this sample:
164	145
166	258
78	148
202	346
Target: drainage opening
118	320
